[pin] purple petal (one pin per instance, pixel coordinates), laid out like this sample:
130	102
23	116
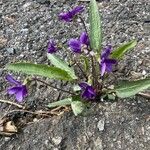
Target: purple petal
77	9
13	90
83	85
106	52
19	96
109	64
10	79
86	95
89	93
25	92
66	16
110	61
84	39
108	68
75	45
103	68
21	93
51	46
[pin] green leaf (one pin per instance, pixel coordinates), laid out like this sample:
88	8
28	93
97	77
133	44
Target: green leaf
95	27
127	89
77	107
119	52
111	97
66	101
62	65
41	70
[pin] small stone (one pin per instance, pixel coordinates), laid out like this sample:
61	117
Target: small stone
57	140
27	4
35	120
46	142
10	50
101	124
22	55
55	149
24	31
7	139
143	72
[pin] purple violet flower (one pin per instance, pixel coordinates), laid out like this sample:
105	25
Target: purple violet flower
77	44
51	46
106	62
18	89
68	16
88	91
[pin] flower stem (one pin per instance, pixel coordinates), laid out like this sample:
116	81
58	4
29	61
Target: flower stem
82	71
53	86
92	59
82	21
93	71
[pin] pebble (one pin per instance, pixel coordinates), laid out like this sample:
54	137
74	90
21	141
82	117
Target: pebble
35	120
57	140
101	124
55	149
10	50
26	5
143	72
7	139
24	31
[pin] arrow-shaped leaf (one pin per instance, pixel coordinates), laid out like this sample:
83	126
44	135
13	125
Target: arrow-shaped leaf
57	62
64	102
41	70
95	27
119	52
130	88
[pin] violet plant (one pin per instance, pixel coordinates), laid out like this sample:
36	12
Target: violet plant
94	62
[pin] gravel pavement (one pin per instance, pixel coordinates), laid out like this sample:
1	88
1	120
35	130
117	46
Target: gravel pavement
25	28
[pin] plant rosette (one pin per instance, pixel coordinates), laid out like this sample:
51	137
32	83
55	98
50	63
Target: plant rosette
94	61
